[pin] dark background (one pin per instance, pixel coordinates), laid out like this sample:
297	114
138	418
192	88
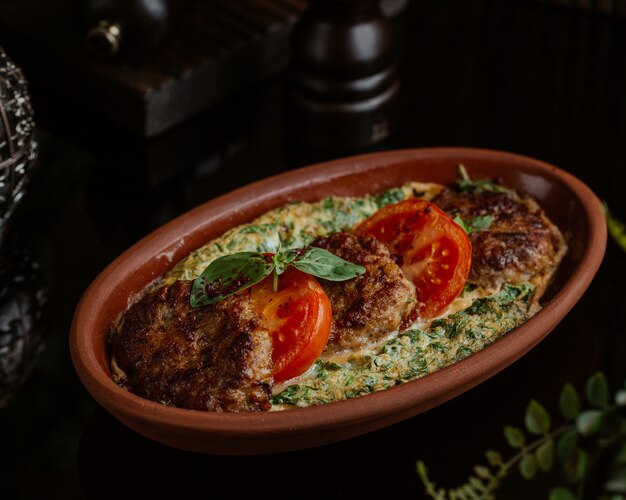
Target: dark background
542	80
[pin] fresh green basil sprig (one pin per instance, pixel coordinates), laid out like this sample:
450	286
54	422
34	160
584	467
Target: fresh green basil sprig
230	274
481	185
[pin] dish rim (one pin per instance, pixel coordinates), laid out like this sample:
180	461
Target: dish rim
399	401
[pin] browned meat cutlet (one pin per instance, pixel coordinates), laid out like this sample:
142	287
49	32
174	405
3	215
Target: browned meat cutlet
369	307
520	245
215	358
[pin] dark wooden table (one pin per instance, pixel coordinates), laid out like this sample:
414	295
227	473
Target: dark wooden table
526	77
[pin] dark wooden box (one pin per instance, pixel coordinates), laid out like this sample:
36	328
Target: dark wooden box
217	48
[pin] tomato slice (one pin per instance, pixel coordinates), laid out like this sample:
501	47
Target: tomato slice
433	251
298	317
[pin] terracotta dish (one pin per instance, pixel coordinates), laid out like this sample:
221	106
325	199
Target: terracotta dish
567	201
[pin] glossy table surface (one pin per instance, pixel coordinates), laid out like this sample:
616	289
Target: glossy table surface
542	81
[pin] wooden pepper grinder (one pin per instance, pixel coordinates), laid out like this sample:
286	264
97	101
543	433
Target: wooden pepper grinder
344	91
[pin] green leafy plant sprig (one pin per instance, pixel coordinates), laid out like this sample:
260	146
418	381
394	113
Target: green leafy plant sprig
585	436
230	274
616	228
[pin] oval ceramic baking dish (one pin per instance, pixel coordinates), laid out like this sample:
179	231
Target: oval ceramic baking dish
567	201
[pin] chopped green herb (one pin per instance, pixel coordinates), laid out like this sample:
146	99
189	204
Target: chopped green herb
328	203
462	352
403	357
250	229
388	197
438	347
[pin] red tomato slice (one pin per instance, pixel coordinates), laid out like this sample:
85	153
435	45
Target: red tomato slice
433	251
298	317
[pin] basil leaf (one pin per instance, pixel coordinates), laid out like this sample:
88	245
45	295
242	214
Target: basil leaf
323	264
482	185
283	259
463	224
481	222
228	275
478	223
233	273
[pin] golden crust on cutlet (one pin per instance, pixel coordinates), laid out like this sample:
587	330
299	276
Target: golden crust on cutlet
520	245
215	358
371	306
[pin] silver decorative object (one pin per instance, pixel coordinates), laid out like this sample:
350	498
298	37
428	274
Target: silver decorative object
18	149
23	293
23	301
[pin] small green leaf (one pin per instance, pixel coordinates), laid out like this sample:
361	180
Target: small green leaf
620	398
514	436
481	222
528	467
468	492
545	455
482	471
228	275
616	228
589	422
569	402
323	264
494	458
463	225
420	467
561	493
566	445
537	419
281	261
598	391
475	224
476	484
483	185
